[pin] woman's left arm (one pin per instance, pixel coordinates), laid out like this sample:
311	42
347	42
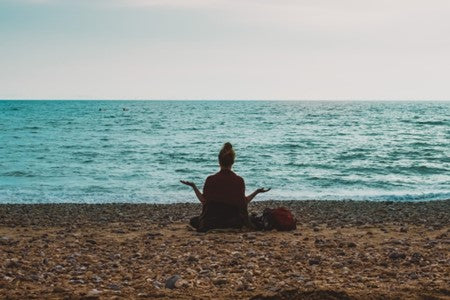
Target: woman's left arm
199	195
253	195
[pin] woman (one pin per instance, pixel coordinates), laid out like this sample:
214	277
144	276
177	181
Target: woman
223	199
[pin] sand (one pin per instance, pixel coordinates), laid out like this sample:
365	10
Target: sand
340	250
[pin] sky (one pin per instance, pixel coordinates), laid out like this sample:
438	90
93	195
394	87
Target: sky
225	49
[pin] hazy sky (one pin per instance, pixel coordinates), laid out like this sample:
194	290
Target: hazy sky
224	49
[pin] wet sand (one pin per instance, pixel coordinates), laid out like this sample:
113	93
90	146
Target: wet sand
340	250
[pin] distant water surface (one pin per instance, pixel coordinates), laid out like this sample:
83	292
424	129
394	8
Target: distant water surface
137	151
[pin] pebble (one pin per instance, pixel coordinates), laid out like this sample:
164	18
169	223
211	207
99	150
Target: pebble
181	283
171	281
220	281
114	287
249	236
76	281
351	245
157	284
397	255
59	290
6	241
416	258
93	293
192	258
12	263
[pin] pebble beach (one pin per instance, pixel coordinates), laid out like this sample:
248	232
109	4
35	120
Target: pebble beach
340	250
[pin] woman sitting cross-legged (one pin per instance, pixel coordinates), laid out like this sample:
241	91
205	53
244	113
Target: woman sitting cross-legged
223	199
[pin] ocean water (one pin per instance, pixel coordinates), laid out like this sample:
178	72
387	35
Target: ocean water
137	151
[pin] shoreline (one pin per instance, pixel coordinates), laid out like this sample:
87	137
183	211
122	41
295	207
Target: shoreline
341	250
338	211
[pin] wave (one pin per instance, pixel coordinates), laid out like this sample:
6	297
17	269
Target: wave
17	174
432	122
420	170
97	194
428	122
88	154
32	128
361	195
95	189
352	156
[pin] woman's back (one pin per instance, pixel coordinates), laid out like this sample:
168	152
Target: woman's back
225	205
225	187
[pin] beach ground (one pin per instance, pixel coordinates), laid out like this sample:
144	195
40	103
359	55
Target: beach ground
340	250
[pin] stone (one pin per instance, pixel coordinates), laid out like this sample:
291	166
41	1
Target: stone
114	287
397	255
76	281
6	241
314	261
192	258
93	293
59	290
152	235
34	277
12	263
249	236
351	245
416	258
171	281
220	281
181	283
157	284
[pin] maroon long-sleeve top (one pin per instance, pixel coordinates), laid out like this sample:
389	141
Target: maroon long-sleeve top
225	187
226	204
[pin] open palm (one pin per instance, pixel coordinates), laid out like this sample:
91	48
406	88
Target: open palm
262	190
189	183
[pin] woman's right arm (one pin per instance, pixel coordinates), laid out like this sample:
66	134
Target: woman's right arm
199	195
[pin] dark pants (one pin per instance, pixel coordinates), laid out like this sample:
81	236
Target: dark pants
205	225
195	222
220	216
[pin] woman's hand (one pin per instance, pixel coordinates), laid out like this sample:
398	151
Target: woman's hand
197	192
262	190
189	183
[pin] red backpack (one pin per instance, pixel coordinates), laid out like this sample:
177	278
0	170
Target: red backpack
279	218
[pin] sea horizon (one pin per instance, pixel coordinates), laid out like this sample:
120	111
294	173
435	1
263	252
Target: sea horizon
237	100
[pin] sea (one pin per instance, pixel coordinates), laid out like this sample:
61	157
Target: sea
138	151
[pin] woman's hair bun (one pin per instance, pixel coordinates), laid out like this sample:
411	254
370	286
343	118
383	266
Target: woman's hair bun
227	146
227	155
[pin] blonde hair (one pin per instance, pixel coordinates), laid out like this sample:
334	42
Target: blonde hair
227	155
